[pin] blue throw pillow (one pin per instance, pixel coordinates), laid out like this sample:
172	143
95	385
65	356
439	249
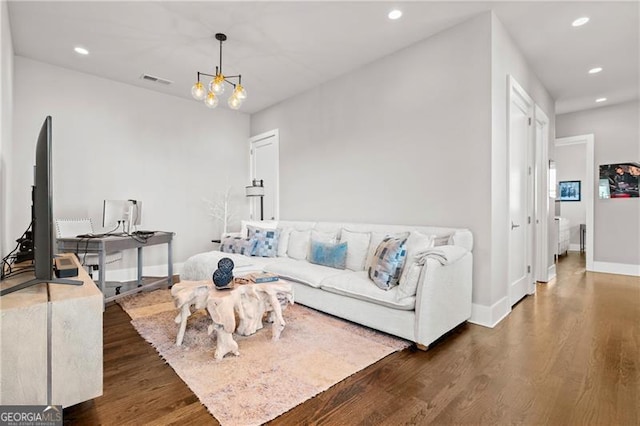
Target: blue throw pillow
328	254
237	245
387	263
266	241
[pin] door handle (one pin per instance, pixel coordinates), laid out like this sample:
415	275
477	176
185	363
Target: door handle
513	226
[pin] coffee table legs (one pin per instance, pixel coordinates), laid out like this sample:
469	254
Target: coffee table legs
250	302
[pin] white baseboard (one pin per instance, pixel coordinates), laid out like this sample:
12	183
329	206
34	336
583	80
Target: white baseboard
551	275
616	268
490	316
131	274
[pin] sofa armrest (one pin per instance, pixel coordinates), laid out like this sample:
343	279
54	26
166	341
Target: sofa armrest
443	299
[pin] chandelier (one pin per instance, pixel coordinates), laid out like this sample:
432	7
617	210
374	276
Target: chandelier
216	86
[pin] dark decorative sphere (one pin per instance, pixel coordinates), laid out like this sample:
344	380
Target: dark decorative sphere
225	264
222	278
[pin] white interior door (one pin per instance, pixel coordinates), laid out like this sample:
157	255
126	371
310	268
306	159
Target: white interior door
265	155
521	157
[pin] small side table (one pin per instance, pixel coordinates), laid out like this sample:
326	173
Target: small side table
583	236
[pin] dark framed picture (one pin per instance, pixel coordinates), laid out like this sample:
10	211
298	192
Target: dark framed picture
569	190
619	180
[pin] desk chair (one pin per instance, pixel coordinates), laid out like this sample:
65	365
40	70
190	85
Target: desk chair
69	228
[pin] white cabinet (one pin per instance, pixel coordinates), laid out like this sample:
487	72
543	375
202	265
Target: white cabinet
562	232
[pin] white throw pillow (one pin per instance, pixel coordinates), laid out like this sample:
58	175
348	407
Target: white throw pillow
283	243
298	244
357	248
324	236
416	244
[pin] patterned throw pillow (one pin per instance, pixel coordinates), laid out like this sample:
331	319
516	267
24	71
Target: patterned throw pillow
237	245
386	265
328	254
266	241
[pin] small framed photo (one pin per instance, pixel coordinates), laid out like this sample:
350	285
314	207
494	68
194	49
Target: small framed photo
569	190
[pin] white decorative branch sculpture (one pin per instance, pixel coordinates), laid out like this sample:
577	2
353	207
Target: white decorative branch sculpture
220	208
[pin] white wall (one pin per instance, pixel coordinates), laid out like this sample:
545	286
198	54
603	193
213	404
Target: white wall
115	141
506	60
6	111
404	139
616	130
570	165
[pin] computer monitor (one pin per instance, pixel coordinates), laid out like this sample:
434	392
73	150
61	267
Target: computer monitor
117	212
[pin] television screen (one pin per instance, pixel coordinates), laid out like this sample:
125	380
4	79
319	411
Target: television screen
622	180
569	190
42	215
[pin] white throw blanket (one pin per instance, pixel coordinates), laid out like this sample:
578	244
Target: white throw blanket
443	254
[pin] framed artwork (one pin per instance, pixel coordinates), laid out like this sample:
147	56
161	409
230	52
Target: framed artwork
569	190
619	180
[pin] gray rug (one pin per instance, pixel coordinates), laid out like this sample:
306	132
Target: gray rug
315	351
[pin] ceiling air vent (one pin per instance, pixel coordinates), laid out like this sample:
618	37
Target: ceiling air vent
155	79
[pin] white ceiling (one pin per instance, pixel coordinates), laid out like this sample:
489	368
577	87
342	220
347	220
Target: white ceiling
284	48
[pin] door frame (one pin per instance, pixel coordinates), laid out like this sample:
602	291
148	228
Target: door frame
275	134
542	202
515	91
589	191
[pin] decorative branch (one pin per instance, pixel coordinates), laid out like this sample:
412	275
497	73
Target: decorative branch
220	208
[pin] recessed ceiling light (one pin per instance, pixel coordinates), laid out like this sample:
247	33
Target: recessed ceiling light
595	70
601	100
395	14
580	21
81	50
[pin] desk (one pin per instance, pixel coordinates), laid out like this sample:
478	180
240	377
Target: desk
51	350
110	244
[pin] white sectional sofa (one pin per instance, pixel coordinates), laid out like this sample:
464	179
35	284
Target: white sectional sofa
441	301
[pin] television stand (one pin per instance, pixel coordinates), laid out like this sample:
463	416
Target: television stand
36	281
51	352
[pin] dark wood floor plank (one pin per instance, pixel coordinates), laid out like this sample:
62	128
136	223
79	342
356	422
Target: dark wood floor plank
567	355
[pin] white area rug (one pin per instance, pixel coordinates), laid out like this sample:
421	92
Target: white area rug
315	351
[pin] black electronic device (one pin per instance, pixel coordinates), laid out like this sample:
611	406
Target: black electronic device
144	233
65	267
42	215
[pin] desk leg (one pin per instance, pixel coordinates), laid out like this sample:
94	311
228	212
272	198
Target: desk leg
170	264
139	266
101	266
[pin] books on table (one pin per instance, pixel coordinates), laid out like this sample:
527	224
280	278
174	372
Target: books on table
262	277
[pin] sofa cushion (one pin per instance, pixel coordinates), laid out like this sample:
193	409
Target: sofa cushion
238	245
266	241
324	236
359	286
298	247
283	241
333	255
384	269
417	244
358	248
302	271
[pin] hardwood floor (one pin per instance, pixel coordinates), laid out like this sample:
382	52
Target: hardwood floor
568	355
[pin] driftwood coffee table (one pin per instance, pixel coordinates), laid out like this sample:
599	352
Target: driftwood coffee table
250	302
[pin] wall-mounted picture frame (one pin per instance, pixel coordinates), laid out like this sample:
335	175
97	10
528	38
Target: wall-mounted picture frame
619	180
569	190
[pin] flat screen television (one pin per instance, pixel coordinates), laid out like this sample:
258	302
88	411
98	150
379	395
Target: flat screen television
42	216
